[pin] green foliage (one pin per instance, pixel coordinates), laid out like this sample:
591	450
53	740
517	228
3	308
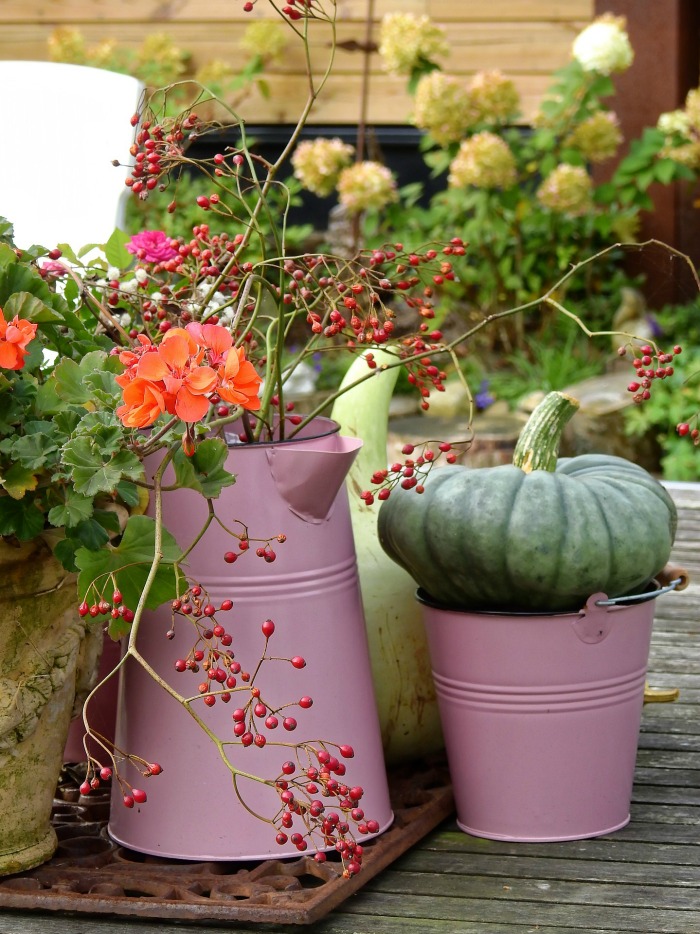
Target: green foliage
545	365
204	471
522	240
681	323
128	564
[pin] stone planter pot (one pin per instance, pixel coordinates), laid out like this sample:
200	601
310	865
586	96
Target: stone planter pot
40	637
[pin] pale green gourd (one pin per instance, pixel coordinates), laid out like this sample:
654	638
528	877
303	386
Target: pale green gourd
403	682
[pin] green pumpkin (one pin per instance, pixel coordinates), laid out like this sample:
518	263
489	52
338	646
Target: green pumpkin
542	534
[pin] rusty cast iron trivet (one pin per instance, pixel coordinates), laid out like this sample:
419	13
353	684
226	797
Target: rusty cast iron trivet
92	874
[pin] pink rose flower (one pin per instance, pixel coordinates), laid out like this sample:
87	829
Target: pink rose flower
151	246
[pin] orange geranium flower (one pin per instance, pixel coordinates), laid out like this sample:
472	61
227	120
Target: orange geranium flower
240	382
143	403
131	356
14	337
216	340
170	379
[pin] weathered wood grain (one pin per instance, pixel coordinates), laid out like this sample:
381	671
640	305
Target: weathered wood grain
150	11
527	39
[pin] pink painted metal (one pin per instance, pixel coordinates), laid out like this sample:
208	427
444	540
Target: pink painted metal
541	716
311	593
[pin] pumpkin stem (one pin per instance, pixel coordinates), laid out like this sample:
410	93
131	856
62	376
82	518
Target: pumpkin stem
538	443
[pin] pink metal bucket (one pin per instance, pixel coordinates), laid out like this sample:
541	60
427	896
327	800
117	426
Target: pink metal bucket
541	715
311	593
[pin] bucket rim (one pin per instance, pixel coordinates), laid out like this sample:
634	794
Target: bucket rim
652	590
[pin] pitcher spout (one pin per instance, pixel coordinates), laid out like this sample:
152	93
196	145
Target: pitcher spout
309	475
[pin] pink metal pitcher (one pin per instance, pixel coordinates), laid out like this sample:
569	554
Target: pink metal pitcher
311	593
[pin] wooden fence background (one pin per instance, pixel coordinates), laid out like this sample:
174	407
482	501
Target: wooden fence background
527	39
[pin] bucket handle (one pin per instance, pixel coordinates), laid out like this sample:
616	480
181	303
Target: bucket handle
642	597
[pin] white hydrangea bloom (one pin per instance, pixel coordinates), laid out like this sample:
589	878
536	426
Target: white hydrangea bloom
483	161
406	40
442	107
366	185
674	121
568	189
317	163
604	46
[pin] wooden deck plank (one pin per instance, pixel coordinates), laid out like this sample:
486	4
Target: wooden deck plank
643	879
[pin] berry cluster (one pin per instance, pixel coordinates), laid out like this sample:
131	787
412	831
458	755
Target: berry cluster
650	365
684	430
156	149
294	9
300	786
116	609
212	654
264	550
350	304
98	775
411	473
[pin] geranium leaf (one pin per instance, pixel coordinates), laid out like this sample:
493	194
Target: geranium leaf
90	533
130	562
74	510
18	480
204	471
20	518
96	470
73	380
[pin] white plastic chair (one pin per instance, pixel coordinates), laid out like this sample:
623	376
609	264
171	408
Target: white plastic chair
64	126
